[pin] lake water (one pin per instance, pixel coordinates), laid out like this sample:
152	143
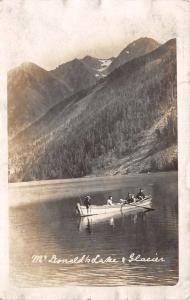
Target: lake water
46	224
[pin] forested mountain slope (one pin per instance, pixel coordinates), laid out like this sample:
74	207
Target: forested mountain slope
32	91
125	123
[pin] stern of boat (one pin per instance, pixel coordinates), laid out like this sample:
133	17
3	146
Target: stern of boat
79	209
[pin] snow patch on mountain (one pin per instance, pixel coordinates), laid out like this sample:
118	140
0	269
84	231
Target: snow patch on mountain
105	63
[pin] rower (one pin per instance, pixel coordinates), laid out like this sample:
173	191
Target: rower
109	201
129	198
140	195
87	202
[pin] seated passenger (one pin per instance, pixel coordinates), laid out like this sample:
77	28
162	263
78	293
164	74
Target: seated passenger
140	195
109	201
129	198
87	202
133	198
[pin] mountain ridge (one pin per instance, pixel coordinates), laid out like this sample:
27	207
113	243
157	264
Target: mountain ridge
116	73
98	129
135	49
79	74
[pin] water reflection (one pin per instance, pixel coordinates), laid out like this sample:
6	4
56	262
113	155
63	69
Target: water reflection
111	222
88	223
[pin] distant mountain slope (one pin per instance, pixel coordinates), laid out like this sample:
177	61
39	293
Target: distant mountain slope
56	118
32	91
135	49
75	74
126	120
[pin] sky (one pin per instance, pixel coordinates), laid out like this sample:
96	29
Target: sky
51	32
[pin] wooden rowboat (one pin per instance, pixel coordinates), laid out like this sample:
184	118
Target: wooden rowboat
115	208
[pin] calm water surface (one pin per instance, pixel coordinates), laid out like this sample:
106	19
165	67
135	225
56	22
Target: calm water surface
52	228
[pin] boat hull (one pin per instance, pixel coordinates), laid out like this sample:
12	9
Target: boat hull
112	209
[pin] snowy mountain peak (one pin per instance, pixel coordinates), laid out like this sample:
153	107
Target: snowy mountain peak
97	66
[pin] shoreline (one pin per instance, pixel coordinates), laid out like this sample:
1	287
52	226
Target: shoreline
83	179
21	194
